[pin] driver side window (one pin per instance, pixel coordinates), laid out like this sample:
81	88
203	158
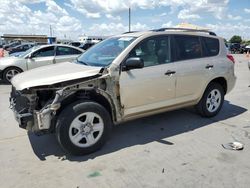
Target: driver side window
45	52
153	51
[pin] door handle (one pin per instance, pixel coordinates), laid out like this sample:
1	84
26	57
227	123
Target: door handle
209	66
169	72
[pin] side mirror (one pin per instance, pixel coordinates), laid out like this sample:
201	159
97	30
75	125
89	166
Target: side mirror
133	63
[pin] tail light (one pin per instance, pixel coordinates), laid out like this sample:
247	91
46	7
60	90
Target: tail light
231	58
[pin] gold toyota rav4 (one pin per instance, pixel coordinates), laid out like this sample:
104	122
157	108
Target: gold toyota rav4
124	77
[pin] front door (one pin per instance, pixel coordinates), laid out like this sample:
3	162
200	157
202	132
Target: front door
41	57
152	87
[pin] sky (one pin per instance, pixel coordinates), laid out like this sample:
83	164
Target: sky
71	18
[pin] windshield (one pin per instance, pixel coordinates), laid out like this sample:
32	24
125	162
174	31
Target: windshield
103	53
29	50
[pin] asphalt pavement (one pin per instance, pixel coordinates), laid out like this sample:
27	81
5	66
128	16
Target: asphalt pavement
173	149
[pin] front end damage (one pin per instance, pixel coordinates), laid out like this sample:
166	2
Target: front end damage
36	109
27	111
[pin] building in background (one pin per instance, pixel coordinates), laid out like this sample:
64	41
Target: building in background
28	38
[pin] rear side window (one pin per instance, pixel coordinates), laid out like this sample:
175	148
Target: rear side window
62	50
187	47
75	51
210	46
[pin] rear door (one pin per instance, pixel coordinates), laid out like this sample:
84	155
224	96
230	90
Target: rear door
190	67
65	54
41	57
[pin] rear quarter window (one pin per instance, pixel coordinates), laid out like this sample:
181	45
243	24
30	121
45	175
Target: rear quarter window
210	46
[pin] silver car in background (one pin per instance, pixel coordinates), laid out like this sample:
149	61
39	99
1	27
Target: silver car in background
36	57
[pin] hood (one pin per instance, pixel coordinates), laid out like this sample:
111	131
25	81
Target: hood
53	74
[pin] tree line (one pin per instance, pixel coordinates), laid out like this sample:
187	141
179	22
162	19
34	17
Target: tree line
238	39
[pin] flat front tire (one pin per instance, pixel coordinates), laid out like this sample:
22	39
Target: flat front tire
83	127
211	101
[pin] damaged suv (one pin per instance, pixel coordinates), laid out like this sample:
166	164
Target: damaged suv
124	77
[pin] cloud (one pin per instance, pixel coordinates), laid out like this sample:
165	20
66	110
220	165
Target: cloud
168	24
227	30
18	18
231	17
55	8
186	14
114	28
31	1
115	18
189	9
163	14
247	10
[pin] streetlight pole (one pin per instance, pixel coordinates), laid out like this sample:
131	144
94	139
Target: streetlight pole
129	19
50	30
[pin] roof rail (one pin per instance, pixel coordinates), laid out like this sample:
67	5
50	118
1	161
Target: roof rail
185	29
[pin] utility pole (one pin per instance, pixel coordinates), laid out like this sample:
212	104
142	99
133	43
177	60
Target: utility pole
50	30
129	19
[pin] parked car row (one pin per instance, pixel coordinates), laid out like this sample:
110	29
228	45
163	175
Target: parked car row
83	46
37	56
15	48
238	48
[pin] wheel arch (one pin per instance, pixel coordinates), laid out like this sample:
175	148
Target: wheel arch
9	67
13	67
102	99
220	80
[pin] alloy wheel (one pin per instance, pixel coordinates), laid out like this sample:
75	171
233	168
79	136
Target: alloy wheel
86	129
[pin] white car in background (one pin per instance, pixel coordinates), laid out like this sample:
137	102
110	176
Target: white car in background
36	57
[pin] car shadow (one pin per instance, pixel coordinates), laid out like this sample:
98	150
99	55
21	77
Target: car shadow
4	83
138	132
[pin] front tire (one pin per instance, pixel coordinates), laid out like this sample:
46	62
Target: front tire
83	127
211	101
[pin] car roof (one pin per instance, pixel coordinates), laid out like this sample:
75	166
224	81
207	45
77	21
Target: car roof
64	45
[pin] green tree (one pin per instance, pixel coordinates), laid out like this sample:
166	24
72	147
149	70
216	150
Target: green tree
236	39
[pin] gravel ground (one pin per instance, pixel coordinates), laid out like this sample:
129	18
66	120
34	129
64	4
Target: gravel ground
173	149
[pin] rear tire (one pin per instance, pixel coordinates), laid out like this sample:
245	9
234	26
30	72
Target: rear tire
83	127
9	73
211	101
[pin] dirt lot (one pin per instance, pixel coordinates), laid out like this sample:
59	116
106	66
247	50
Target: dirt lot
174	149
